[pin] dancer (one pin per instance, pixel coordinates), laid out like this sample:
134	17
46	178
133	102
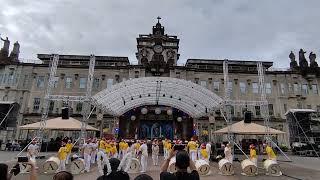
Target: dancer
62	155
270	153
208	148
33	150
143	151
228	153
168	147
164	144
192	146
101	155
253	154
108	149
155	152
203	153
121	148
87	149
94	146
137	147
113	150
69	147
127	159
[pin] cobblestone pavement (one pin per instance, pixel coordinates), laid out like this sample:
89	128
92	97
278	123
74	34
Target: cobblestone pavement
291	171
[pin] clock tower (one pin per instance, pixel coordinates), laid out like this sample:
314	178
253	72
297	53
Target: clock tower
157	52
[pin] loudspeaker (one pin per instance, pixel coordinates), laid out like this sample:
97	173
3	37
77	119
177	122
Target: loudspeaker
247	116
65	113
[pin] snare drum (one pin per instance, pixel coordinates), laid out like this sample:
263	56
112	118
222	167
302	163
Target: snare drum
51	165
248	167
203	167
226	167
272	167
77	166
134	166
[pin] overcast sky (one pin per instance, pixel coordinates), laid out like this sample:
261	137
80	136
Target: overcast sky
213	29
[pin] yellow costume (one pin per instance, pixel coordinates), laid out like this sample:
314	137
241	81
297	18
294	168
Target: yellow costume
137	146
113	149
62	153
270	153
108	148
121	145
102	144
204	153
125	146
192	146
69	147
168	146
253	153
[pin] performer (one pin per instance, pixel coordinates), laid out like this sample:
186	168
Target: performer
228	153
94	146
101	155
164	144
168	147
33	150
127	159
108	148
113	150
121	152
69	147
143	151
87	149
208	148
137	147
204	153
192	146
253	154
270	153
62	155
155	152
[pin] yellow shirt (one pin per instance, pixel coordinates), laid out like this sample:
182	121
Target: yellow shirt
113	149
137	146
270	152
204	153
192	145
108	148
102	144
125	146
121	145
69	147
168	146
253	153
164	144
62	153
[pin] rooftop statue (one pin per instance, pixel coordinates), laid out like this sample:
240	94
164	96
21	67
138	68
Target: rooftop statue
312	58
302	59
293	63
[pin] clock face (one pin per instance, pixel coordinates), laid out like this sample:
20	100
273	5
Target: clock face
157	48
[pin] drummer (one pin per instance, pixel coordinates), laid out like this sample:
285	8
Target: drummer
228	153
87	149
253	154
62	155
33	149
192	146
69	147
270	153
94	146
164	144
203	155
123	146
113	150
108	148
101	154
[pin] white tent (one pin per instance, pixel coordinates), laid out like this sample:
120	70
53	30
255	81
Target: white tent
247	129
58	123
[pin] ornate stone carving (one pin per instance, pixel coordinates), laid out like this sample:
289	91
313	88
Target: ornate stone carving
302	59
312	58
293	62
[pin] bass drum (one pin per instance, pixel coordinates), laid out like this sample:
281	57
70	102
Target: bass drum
77	166
172	165
226	167
51	165
272	167
203	167
134	166
248	167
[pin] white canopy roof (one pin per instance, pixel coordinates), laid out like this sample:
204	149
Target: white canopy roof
186	96
247	128
58	123
299	110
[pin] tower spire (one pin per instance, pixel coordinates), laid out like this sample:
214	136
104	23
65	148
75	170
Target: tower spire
158	19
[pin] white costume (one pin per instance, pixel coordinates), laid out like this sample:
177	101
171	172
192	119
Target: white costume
228	154
126	160
101	155
144	157
32	152
155	154
94	147
87	149
208	148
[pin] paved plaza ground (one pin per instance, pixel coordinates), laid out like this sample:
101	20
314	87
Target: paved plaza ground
300	168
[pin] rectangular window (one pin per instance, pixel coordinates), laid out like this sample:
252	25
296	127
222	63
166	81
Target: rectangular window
36	104
282	88
55	82
96	83
242	88
203	83
51	106
270	107
136	74
296	88
315	89
79	107
109	83
257	109
216	86
230	87
40	82
268	88
255	88
304	89
232	110
82	83
68	82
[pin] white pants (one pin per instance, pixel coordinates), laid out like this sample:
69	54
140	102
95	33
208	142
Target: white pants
93	157
144	163
193	155
229	158
255	161
68	157
115	155
62	165
122	153
155	159
87	162
100	164
164	153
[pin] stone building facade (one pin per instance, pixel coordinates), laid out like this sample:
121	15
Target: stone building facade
157	54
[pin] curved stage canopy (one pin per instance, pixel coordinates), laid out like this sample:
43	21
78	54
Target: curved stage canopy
186	96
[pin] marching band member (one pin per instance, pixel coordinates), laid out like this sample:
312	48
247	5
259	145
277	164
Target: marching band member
143	151
121	152
164	144
155	152
204	153
94	146
62	155
108	149
127	159
208	148
253	154
168	147
228	153
101	155
113	150
270	153
192	146
137	147
87	149
69	147
125	148
33	149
